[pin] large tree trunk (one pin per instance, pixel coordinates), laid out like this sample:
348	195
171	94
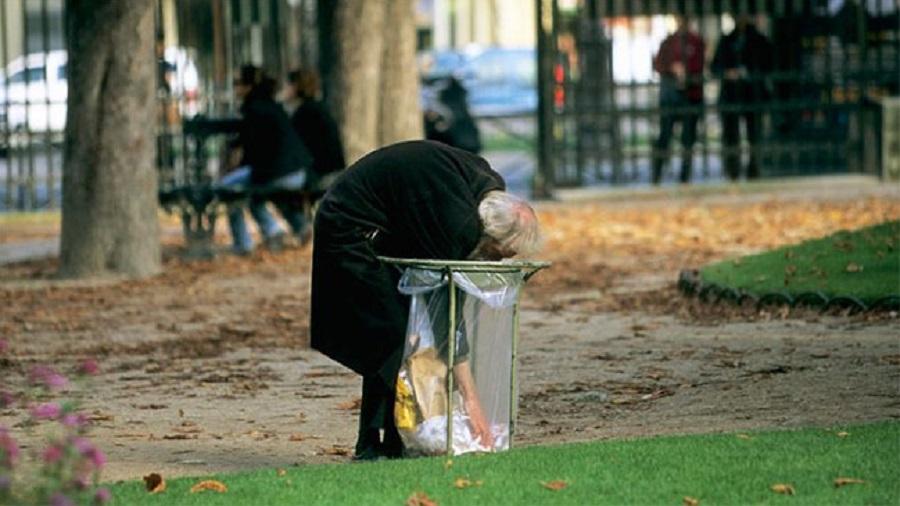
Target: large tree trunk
368	63
109	220
400	116
358	39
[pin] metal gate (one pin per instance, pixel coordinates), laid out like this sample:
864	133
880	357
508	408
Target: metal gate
818	109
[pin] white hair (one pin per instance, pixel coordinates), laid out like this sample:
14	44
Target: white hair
510	222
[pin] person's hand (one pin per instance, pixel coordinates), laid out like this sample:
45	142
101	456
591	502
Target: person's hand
679	71
480	426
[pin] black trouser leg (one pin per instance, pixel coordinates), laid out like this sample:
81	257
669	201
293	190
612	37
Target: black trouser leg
371	418
752	121
731	140
661	148
688	137
376	414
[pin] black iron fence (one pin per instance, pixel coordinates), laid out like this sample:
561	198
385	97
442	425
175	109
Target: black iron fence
198	44
787	87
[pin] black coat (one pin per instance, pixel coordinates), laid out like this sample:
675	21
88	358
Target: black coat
750	51
271	147
319	132
415	199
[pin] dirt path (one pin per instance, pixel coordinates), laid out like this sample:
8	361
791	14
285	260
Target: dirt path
206	368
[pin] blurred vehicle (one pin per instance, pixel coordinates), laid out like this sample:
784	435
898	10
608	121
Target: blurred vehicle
34	90
499	81
33	93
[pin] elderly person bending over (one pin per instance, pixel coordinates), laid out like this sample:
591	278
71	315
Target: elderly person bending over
418	199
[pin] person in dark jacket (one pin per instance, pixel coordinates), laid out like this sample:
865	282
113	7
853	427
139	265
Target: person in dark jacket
447	116
317	129
271	156
416	199
742	60
679	62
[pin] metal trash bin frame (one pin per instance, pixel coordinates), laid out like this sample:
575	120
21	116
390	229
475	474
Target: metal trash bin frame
447	268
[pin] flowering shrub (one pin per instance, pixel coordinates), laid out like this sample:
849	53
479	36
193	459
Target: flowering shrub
66	469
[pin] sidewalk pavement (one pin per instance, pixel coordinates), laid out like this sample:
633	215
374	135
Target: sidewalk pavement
28	250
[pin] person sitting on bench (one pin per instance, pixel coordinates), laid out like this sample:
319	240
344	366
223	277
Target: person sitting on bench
272	159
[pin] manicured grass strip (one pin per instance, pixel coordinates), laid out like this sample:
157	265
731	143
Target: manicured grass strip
863	263
716	469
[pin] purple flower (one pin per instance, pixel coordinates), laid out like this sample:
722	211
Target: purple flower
46	411
52	454
58	499
89	368
102	496
74	420
6	399
4	346
47	376
81	444
97	457
9	450
89	451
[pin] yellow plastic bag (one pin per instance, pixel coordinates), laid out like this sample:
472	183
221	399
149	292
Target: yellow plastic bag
405	405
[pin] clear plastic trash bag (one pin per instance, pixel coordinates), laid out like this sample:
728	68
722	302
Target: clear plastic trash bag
482	362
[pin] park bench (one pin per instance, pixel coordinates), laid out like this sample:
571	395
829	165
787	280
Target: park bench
200	202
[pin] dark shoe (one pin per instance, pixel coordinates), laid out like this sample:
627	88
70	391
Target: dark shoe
241	252
370	453
275	243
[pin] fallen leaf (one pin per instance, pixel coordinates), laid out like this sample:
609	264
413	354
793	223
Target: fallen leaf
336	450
842	434
297	437
281	472
420	499
466	483
154	483
744	436
658	394
781	488
854	267
691	501
215	486
179	436
840	482
555	484
790	270
448	464
350	405
99	416
891	359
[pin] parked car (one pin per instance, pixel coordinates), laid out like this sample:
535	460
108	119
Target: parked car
499	81
33	93
502	82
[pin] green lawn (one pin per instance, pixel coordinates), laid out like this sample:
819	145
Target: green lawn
715	469
863	263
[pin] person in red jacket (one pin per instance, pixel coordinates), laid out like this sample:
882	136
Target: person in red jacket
679	62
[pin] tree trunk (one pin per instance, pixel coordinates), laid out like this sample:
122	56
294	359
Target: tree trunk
109	220
368	61
400	111
358	41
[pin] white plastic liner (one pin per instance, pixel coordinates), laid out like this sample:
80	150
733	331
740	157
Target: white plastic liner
483	359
